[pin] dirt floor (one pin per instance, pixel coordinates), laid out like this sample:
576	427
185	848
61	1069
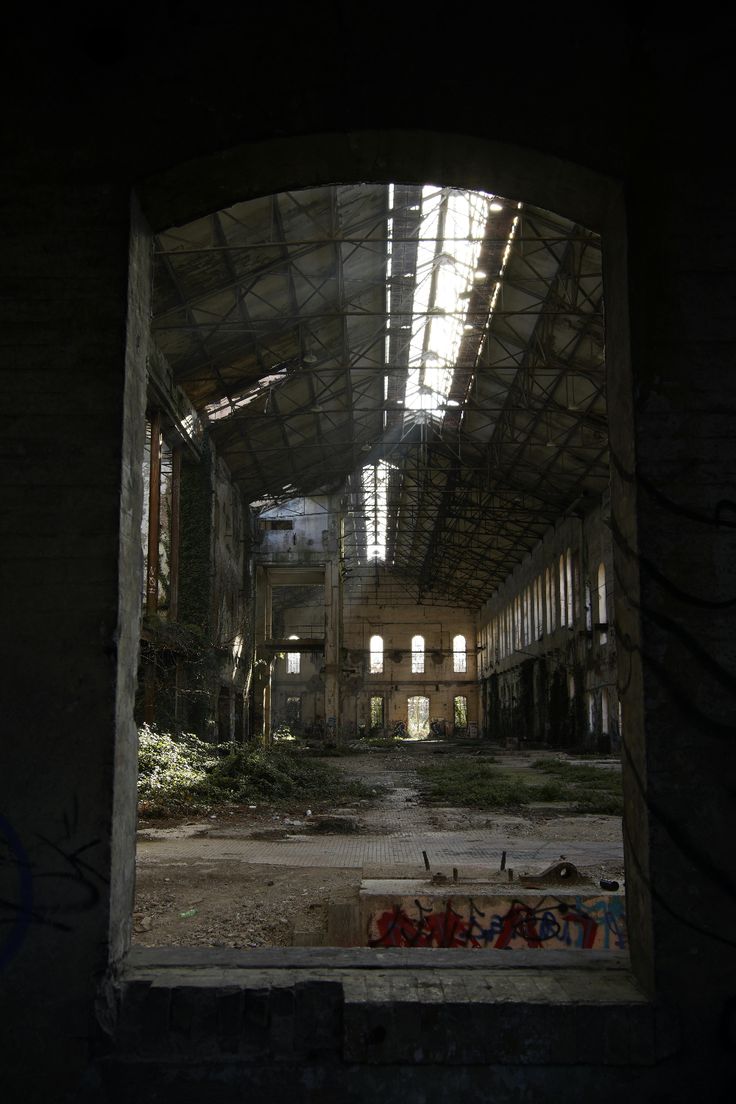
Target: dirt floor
194	890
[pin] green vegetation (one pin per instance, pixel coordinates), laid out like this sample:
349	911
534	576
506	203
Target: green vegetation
389	742
594	790
467	782
186	775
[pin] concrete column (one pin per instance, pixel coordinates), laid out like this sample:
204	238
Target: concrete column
262	658
333	646
71	575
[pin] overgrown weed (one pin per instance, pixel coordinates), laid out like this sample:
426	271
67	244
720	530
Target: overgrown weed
185	775
461	782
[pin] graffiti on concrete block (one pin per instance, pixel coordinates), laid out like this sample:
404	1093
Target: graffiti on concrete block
585	923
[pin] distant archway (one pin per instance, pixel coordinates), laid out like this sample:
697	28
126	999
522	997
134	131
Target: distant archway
418	717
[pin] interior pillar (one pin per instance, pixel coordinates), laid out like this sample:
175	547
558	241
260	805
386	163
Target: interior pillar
333	645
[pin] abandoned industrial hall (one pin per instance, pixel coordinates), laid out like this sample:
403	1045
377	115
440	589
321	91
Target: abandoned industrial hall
365	396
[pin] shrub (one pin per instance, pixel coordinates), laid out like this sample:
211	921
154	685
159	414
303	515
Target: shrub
179	775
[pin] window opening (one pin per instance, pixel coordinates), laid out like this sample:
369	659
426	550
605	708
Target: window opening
459	655
460	713
293	710
568	587
269	524
376	655
576	586
540	608
602	601
376	713
563	596
293	660
417	655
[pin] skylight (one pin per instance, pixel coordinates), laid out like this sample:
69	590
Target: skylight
375	479
451	231
223	408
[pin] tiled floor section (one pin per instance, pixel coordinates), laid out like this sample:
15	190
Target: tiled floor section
456	848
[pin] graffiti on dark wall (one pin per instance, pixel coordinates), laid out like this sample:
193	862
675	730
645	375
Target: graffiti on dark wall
46	885
585	923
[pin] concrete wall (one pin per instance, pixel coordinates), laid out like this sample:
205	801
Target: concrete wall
195	664
547	644
369	611
622	129
369	607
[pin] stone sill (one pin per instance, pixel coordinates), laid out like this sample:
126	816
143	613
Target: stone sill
390	1006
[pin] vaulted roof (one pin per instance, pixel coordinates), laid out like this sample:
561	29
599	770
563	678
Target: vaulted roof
436	355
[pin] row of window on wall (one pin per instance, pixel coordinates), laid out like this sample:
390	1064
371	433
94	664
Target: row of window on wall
552	600
459	655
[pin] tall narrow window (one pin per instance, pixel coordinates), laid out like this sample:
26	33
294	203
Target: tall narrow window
553	603
293	660
563	596
376	648
417	655
568	587
588	607
541	607
459	655
376	713
576	586
460	713
548	596
604	711
602	605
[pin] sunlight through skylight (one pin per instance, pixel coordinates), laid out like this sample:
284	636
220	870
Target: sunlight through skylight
453	224
375	503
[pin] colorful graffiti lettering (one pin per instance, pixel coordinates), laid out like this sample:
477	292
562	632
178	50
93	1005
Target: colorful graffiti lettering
586	923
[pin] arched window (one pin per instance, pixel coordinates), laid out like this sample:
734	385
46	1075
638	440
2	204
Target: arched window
293	660
602	604
376	647
459	656
417	655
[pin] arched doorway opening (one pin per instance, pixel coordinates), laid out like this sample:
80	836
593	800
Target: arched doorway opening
604	201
